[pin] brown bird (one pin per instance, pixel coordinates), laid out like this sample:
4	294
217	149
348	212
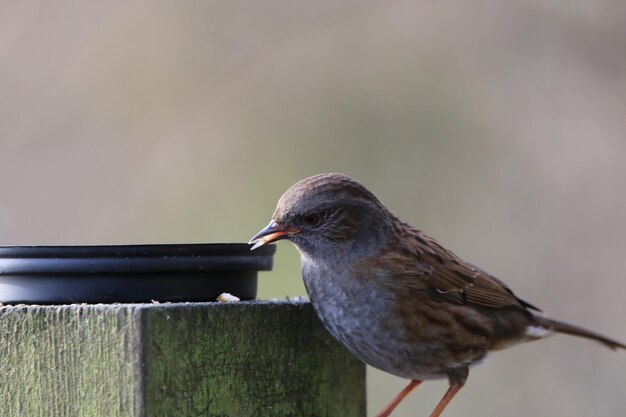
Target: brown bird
392	295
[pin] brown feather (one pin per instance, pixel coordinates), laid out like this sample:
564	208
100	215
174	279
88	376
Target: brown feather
431	267
566	328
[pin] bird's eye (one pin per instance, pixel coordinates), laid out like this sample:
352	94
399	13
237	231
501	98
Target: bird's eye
312	219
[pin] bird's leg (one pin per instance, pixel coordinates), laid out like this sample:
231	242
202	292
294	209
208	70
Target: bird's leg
394	403
446	399
457	378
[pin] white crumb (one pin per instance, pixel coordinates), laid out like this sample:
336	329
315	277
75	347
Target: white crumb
226	297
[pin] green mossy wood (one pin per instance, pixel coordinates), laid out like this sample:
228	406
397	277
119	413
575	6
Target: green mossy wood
174	360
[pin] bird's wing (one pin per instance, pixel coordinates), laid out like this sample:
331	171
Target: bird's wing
428	266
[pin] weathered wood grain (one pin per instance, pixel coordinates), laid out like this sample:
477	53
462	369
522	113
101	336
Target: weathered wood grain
178	360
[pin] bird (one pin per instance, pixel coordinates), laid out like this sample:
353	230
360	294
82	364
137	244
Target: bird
395	297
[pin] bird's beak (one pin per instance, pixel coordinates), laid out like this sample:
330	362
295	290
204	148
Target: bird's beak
271	233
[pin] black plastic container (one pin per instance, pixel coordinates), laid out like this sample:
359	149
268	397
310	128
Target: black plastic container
130	273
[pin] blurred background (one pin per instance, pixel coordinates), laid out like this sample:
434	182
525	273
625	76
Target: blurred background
499	127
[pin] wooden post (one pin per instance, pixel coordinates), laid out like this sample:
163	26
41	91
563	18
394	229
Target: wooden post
174	360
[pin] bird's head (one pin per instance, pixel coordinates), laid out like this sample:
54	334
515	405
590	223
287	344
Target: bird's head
326	215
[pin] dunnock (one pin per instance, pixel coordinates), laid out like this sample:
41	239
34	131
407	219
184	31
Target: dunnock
392	295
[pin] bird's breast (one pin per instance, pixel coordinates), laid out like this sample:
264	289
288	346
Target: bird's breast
360	316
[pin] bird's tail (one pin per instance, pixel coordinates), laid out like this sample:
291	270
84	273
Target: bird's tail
560	327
